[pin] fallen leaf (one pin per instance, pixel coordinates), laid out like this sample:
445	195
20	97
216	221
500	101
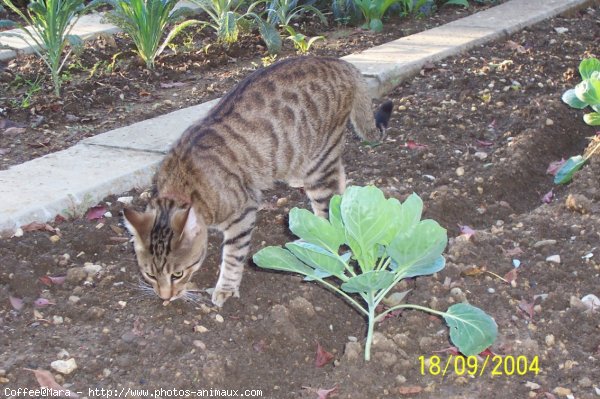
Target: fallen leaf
52	280
511	275
17	303
322	356
466	231
321	393
453	350
553	167
487	353
46	380
96	212
42	303
527	308
15	130
59	219
512	252
485	143
547	198
36	226
515	46
412	145
409	390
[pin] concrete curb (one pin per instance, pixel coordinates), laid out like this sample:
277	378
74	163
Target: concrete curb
70	181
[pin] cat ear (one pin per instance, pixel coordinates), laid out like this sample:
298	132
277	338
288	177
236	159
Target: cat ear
139	224
185	223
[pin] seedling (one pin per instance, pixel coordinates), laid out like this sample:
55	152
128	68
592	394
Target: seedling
387	242
585	94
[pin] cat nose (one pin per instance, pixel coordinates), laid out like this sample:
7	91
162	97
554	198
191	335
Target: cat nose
164	294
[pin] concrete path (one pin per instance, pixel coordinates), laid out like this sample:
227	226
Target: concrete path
70	181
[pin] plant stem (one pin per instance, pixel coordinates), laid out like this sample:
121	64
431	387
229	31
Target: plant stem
348	298
410	306
372	320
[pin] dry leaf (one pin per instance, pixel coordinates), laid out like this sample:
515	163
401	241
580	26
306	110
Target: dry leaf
17	303
52	280
322	356
511	275
46	380
96	212
409	390
473	271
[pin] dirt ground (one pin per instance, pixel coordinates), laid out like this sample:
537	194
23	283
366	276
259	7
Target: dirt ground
489	123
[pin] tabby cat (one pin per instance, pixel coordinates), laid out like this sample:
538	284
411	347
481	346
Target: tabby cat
282	123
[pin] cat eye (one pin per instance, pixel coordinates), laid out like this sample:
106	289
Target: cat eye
151	276
177	275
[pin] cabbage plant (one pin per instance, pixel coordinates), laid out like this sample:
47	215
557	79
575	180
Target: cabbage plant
368	245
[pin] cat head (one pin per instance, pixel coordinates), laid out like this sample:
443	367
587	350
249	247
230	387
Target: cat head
170	244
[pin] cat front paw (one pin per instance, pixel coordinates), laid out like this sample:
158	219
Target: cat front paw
220	295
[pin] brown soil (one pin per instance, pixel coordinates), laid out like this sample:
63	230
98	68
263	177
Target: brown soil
492	121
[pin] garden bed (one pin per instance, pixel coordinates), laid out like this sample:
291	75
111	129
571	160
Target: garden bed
107	86
473	135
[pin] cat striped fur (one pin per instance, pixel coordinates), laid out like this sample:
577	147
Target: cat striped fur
285	123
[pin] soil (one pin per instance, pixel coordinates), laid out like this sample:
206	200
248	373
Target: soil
490	122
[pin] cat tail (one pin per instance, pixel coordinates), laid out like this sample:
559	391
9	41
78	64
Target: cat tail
369	125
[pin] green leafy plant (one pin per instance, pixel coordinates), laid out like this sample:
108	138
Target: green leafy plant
345	11
387	242
145	21
283	12
227	18
50	23
373	11
585	94
300	43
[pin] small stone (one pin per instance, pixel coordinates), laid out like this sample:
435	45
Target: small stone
128	337
199	344
532	385
553	259
549	122
591	301
578	203
54	238
481	155
352	339
64	366
108	214
480	190
400	379
219	318
91	269
125	200
491	290
352	352
561	391
75	275
560	30
460	171
122	304
200	329
18	232
74	299
544	243
549	340
585	382
57	320
283	201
